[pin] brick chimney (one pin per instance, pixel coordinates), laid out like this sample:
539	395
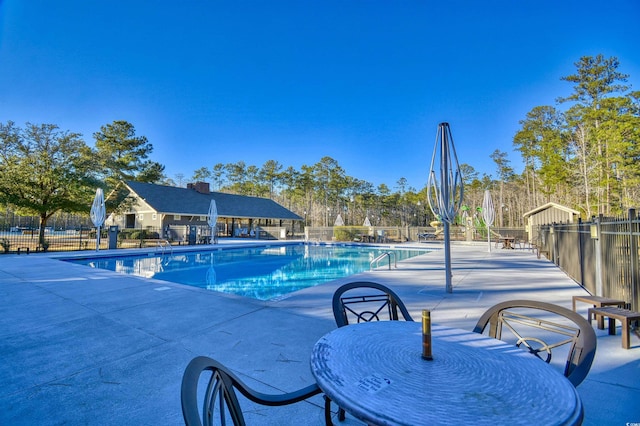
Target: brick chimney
201	187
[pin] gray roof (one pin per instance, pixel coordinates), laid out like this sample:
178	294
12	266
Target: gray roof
183	201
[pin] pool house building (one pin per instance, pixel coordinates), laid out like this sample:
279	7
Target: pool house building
180	214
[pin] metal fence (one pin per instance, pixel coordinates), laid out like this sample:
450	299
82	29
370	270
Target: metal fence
26	240
601	255
400	234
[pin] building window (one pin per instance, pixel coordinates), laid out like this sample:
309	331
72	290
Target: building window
140	216
154	216
176	217
203	218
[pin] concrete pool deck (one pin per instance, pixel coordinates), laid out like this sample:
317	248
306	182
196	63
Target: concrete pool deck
86	346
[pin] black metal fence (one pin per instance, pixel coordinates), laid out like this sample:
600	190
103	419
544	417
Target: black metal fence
601	255
25	240
400	234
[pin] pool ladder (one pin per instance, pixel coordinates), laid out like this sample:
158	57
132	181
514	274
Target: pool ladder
386	254
163	245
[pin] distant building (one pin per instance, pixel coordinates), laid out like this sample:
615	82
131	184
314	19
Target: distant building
175	209
545	215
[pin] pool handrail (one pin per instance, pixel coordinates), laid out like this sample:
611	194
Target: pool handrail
162	244
382	256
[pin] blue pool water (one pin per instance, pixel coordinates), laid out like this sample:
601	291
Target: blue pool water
262	273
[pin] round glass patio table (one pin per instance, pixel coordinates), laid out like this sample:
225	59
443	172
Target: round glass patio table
375	372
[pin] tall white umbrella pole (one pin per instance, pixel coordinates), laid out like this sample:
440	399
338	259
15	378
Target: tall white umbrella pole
212	220
98	214
445	189
488	214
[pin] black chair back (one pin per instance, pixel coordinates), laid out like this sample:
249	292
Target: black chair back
382	304
220	401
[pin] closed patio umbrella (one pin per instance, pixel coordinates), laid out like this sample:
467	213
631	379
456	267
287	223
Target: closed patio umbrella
488	214
212	220
339	221
98	214
445	189
367	222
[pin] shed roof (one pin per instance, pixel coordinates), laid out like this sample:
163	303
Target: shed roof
184	201
548	206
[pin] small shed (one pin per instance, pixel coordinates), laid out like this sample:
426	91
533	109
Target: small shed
545	215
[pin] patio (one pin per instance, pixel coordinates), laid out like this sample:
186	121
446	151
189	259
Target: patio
85	346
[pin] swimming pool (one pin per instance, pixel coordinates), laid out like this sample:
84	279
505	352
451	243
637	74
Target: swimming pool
263	273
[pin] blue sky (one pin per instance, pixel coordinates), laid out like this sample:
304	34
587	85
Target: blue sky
364	82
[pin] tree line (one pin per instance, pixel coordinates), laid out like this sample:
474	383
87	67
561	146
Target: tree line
581	152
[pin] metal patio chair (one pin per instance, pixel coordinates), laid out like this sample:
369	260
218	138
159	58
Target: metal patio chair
379	303
547	327
220	400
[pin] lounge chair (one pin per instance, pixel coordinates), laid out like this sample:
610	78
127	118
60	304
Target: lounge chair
426	236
